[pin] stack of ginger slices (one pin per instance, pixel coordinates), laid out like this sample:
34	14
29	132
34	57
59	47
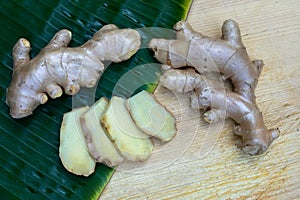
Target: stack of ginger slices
111	131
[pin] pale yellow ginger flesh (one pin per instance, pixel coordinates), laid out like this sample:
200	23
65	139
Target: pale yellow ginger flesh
58	67
152	117
73	150
226	57
132	143
99	145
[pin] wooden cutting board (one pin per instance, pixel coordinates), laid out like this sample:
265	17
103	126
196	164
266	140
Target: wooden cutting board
202	162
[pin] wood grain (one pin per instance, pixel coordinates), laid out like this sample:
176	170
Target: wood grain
271	31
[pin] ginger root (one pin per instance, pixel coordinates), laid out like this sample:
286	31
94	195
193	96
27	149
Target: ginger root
210	58
227	56
58	66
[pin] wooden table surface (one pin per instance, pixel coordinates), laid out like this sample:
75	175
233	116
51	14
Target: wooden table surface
202	162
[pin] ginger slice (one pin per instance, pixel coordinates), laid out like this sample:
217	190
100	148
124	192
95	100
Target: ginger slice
73	150
152	117
131	142
99	145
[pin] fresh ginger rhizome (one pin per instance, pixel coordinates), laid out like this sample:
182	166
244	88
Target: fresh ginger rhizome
211	59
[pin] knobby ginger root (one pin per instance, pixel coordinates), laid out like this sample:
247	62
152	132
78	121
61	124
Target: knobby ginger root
210	57
58	66
256	138
227	56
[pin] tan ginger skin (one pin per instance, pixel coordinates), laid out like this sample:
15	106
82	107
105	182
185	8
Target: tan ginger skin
58	66
210	57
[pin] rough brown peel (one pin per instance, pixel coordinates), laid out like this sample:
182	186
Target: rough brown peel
58	66
210	57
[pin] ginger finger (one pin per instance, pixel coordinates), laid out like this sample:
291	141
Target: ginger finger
256	138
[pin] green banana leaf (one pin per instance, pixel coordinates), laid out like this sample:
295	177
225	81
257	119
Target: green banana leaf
30	166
